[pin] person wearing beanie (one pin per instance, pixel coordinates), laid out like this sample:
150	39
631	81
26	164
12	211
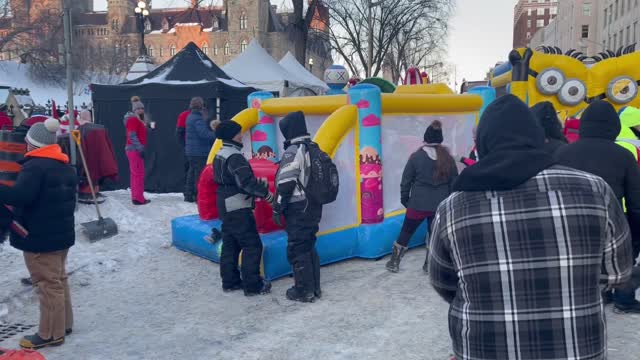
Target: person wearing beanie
237	190
43	200
198	142
547	117
136	132
426	180
596	152
301	212
517	250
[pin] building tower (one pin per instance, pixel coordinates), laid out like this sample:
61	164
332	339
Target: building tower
117	13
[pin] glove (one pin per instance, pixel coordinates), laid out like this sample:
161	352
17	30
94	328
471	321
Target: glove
214	124
404	202
270	198
264	182
277	218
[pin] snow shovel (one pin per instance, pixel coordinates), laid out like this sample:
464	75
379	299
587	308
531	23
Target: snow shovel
102	228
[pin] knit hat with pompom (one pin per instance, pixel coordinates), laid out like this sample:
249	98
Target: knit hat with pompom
44	133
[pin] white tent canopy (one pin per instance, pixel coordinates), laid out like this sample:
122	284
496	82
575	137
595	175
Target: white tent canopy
291	64
256	68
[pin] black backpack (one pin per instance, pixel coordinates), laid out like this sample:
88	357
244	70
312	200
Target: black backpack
324	181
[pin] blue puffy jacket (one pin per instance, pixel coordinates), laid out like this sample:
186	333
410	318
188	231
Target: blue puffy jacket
199	137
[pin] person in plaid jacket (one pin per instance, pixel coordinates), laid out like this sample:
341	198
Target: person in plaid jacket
520	247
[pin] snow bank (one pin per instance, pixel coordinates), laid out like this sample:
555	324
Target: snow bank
17	76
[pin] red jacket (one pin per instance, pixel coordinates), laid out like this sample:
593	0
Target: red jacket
5	121
98	150
137	126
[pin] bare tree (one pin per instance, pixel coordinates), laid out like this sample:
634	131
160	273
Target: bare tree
299	27
405	32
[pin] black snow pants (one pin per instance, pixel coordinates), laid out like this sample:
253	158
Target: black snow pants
239	232
196	165
302	226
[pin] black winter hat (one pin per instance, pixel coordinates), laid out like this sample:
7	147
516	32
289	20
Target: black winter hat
600	120
227	130
433	134
293	126
547	118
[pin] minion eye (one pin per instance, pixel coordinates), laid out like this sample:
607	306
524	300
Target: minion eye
622	89
550	81
572	93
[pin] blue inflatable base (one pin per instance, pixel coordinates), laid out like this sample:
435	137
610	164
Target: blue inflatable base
364	241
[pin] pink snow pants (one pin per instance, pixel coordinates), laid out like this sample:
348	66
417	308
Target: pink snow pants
136	168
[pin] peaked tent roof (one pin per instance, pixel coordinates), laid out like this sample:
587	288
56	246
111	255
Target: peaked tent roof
292	65
255	67
188	65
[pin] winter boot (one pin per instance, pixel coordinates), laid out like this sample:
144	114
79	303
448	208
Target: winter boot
393	264
34	342
303	276
264	289
316	273
632	308
425	267
234	287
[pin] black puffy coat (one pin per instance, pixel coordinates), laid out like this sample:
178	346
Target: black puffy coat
596	152
44	198
418	189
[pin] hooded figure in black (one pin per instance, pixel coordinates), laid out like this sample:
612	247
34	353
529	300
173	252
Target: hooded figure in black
596	152
510	146
301	214
547	117
237	189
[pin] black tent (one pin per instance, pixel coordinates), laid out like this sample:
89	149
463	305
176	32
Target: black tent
166	92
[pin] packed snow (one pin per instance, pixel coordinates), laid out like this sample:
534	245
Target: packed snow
136	297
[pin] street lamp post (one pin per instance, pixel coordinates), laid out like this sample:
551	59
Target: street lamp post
311	65
141	13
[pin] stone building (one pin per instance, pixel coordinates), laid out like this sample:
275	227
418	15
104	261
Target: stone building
222	32
575	27
619	23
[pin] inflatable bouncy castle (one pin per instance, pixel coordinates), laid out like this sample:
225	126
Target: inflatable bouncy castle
370	136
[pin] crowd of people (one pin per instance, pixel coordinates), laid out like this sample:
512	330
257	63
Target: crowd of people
526	243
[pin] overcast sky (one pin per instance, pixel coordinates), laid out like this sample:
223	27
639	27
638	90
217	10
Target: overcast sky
481	33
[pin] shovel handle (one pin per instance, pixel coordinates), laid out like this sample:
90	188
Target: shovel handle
75	134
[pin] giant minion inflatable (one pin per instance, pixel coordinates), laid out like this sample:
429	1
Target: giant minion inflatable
571	80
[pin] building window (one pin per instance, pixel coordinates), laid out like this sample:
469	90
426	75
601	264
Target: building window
205	48
621	37
610	14
216	24
586	9
585	31
226	49
243	45
629	34
616	10
635	31
615	41
147	25
215	49
540	11
528	35
161	51
553	11
128	50
528	23
622	8
529	11
172	50
540	23
243	21
150	51
605	18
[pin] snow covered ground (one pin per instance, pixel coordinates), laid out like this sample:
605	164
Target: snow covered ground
16	75
136	297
